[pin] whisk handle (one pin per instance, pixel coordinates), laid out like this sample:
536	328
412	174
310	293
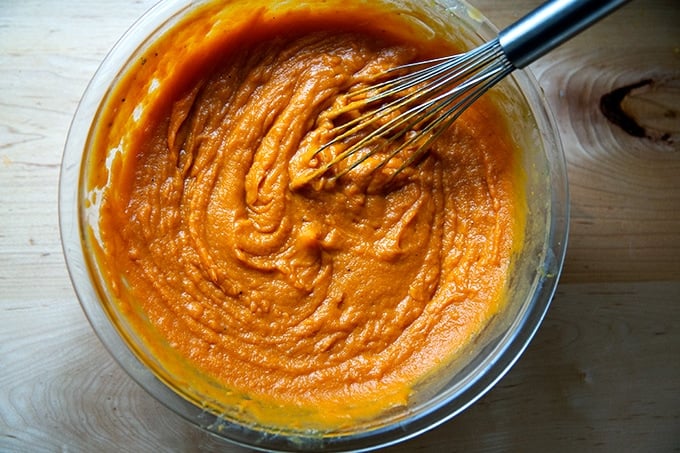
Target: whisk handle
550	25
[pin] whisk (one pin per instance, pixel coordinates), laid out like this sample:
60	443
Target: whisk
418	106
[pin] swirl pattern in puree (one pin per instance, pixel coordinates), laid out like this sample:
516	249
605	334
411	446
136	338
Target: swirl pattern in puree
335	298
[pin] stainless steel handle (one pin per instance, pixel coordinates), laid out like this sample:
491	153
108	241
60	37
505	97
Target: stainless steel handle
550	25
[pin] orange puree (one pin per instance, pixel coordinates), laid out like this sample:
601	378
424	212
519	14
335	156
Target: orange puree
330	299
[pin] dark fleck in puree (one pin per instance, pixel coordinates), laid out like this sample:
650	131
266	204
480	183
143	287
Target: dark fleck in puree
330	300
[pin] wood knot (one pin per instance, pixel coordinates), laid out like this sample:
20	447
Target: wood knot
647	109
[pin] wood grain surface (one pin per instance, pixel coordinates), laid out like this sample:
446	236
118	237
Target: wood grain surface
603	372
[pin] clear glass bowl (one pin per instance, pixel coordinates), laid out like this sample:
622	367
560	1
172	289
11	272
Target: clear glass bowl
534	273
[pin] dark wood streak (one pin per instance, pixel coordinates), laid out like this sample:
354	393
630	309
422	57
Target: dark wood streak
610	105
645	109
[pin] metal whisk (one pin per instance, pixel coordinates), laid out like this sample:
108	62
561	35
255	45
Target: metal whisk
418	106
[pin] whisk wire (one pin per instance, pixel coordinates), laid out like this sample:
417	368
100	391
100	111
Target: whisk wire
457	80
446	71
470	90
450	116
432	68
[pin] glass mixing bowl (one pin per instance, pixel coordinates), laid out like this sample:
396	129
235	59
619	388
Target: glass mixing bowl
532	282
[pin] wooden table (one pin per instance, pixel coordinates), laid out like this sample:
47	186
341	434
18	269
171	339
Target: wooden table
602	374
